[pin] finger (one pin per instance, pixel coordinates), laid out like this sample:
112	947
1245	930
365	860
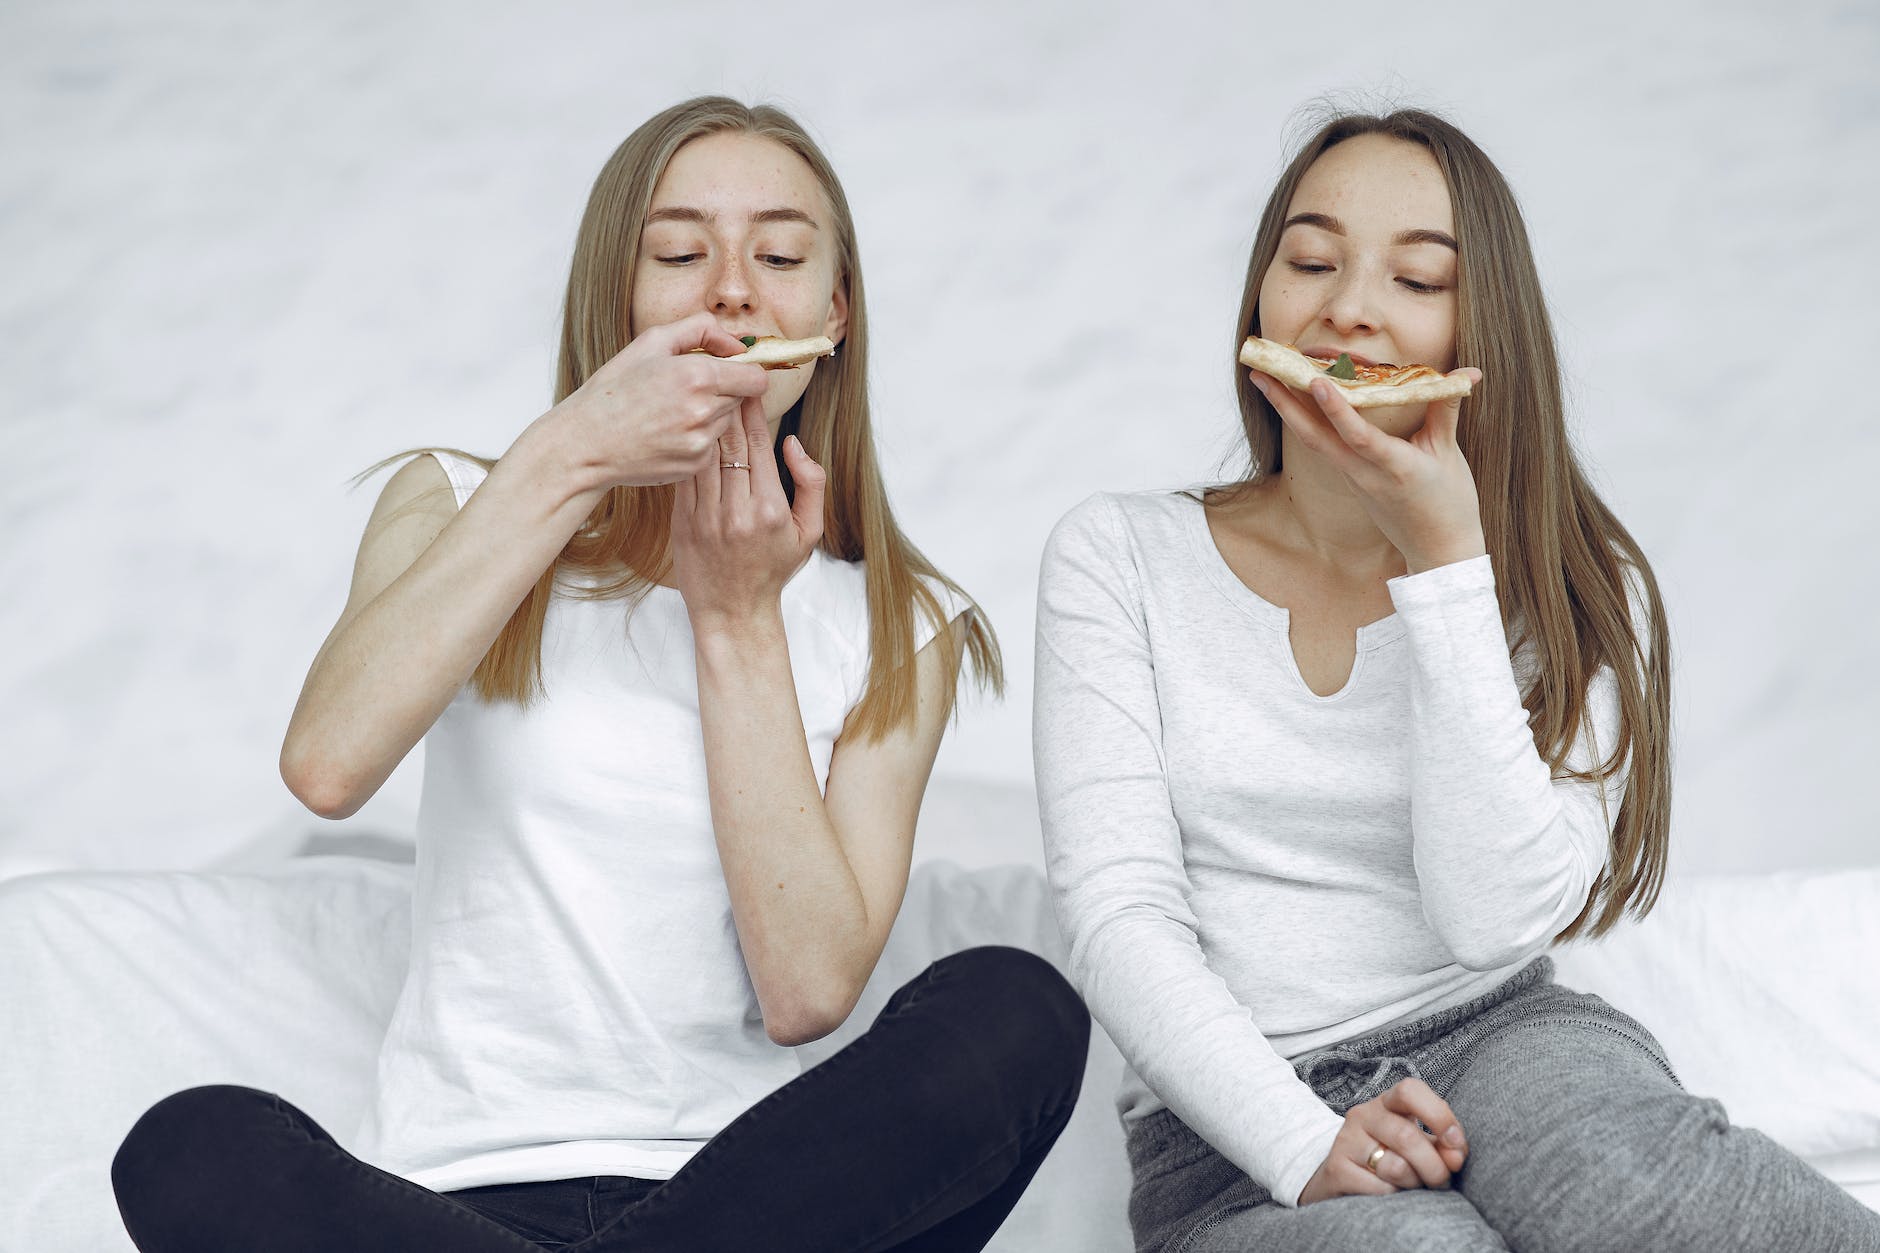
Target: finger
708	484
1354	1178
1444	416
684	502
734	448
1370	443
1392	1169
811	483
763	458
739	378
722	420
1414	1098
1308	426
701	331
1422	1166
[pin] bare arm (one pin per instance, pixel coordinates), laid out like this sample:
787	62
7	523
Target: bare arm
815	881
432	586
431	589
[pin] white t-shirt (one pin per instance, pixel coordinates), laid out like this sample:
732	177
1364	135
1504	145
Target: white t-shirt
1246	871
576	1002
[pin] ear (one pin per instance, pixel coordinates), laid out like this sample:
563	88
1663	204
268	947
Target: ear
836	325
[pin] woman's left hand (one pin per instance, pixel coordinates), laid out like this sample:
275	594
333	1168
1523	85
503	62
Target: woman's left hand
736	538
1418	490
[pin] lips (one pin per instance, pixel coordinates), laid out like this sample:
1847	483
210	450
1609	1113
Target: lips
1331	354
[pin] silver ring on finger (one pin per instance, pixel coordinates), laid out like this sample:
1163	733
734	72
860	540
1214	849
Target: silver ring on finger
734	465
1377	1155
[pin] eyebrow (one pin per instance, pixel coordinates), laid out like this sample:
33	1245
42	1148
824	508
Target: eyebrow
685	213
1326	222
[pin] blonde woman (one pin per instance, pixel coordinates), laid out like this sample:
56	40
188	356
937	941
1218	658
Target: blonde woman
681	681
1328	757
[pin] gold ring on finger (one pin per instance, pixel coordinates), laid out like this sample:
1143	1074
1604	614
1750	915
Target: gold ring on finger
734	465
1377	1155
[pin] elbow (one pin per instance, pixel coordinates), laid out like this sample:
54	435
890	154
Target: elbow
1482	945
803	1023
1493	926
796	1029
802	1014
321	788
1482	953
1475	942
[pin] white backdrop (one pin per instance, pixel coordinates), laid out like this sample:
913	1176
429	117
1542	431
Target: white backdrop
249	249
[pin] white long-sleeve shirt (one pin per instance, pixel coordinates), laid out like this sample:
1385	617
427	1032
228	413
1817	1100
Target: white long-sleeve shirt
1246	871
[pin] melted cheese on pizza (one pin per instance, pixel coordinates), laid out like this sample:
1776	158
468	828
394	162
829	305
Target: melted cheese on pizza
1381	375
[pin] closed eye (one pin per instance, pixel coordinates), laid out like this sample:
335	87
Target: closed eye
1310	267
680	259
1421	288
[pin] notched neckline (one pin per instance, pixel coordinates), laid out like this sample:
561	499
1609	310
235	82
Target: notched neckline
1208	555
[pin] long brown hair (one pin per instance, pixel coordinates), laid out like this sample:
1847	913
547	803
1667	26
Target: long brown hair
622	549
1567	572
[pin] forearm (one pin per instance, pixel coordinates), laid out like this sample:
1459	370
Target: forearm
1502	858
801	917
387	671
1197	1048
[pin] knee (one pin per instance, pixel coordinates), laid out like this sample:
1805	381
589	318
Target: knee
1672	1123
1435	1226
177	1153
1654	1148
1635	1172
1019	1002
1024	989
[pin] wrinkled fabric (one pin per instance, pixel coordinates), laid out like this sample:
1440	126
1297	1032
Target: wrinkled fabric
1580	1138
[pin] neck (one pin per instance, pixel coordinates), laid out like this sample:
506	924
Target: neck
1311	509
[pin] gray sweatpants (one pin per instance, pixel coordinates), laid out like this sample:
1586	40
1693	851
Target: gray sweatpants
1580	1138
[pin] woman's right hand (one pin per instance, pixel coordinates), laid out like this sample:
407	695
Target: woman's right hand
654	412
1412	1158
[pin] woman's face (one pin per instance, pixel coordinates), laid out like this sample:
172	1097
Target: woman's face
1367	263
740	226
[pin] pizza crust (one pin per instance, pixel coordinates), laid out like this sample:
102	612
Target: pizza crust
1295	369
785	354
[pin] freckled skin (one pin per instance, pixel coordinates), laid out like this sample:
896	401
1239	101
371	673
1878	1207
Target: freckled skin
731	268
1377	187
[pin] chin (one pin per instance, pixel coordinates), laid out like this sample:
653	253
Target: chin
1402	421
784	392
776	406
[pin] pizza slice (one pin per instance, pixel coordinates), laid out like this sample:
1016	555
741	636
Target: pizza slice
1365	386
775	353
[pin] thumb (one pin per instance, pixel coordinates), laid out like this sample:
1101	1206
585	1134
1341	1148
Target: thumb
701	332
811	480
1445	416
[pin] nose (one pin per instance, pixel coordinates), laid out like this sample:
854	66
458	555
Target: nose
1349	306
730	290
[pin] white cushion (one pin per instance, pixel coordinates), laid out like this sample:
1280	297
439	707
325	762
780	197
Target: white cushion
122	988
1765	991
125	987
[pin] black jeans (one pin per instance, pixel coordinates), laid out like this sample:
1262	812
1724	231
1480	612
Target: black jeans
920	1135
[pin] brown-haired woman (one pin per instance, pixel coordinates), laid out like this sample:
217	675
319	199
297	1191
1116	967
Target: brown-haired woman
681	685
1329	756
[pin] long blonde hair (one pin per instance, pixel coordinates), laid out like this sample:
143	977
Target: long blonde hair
622	549
1563	562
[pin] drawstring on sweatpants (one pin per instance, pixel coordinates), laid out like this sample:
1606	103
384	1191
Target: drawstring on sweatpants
1343	1078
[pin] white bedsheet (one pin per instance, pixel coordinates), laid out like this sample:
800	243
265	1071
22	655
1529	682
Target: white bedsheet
121	988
